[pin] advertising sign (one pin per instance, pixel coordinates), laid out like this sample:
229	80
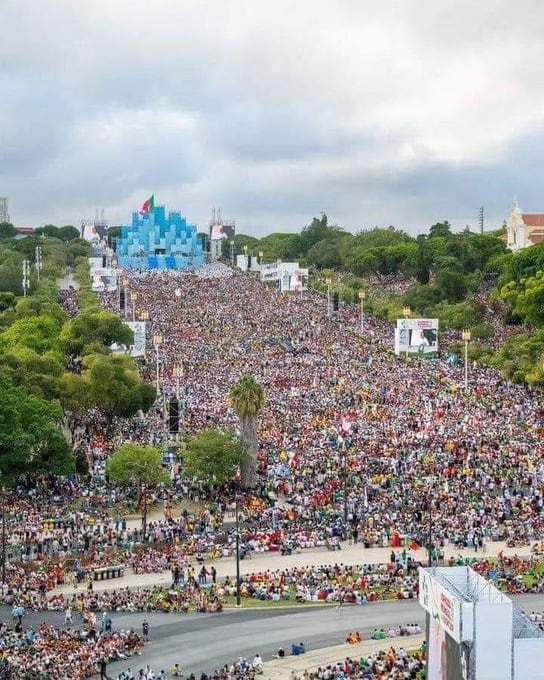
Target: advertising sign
444	608
416	336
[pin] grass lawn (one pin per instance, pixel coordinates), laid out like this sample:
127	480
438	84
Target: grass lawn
252	602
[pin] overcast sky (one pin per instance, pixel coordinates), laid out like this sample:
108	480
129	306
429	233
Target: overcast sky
399	112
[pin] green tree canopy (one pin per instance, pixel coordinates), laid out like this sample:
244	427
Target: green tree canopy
110	382
95	326
31	441
68	233
137	467
214	456
7	230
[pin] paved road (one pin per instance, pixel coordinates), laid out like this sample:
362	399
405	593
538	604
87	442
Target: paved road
207	641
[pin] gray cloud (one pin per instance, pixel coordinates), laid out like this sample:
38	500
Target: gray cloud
403	112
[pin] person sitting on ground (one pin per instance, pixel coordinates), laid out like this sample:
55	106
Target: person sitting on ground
257	663
354	638
176	670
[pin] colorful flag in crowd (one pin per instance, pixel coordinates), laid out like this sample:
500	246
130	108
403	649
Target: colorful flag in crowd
148	205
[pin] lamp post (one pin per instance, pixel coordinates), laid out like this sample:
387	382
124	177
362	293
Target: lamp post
231	252
133	299
328	281
406	311
342	443
466	339
237	529
430	533
157	341
246	259
362	296
178	373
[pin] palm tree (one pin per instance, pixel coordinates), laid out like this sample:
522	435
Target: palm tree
247	398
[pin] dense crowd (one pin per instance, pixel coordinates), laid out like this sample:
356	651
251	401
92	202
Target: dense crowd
63	653
354	439
355	443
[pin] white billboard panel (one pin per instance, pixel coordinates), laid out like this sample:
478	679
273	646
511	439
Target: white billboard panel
443	607
137	349
416	336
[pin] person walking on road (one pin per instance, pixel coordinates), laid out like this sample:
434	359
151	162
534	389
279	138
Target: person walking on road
103	666
145	631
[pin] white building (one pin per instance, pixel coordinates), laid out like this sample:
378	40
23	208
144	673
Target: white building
524	229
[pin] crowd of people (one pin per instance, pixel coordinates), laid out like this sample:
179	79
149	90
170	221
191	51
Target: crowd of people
393	664
354	439
64	653
355	444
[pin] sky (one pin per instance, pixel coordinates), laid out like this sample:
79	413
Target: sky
398	112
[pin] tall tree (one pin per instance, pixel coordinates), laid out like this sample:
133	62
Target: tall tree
30	438
213	456
247	397
140	468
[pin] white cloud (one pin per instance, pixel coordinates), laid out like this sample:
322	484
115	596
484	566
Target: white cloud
275	110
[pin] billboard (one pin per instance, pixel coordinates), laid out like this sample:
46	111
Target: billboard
103	279
416	336
443	607
219	231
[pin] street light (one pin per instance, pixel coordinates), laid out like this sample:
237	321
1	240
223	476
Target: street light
245	248
231	252
133	299
362	296
328	281
465	335
237	529
157	341
342	444
406	312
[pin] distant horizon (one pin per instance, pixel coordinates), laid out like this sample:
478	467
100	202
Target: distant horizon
202	227
404	113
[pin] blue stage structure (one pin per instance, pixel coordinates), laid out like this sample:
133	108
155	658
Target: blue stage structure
157	240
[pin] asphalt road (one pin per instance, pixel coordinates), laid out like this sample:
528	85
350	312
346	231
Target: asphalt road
203	642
